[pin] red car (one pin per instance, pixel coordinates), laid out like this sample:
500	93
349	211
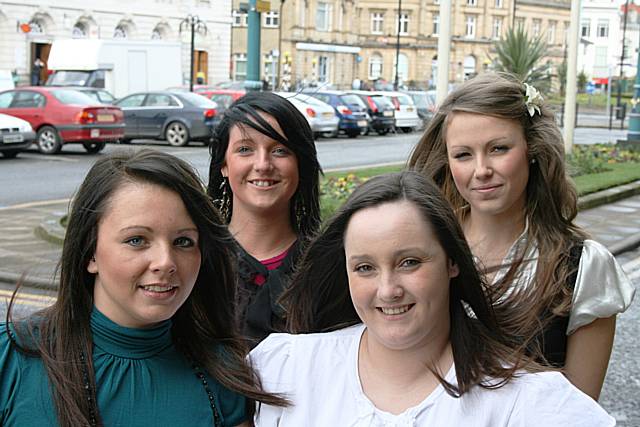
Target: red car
60	116
223	97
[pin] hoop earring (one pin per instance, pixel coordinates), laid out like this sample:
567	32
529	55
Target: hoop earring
300	211
224	202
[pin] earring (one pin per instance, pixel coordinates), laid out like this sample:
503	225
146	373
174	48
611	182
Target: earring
532	161
300	211
224	202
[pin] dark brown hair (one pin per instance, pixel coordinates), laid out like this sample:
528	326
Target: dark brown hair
319	299
61	334
551	205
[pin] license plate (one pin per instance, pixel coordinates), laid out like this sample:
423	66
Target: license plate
362	123
327	115
106	118
409	108
387	113
10	139
95	133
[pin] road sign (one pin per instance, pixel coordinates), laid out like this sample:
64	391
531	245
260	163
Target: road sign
263	6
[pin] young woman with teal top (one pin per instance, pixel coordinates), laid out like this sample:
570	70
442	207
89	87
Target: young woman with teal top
142	331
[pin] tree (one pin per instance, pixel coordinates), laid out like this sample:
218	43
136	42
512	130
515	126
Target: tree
522	56
582	82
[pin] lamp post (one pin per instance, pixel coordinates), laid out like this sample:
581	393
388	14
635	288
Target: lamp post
279	58
395	81
195	24
633	135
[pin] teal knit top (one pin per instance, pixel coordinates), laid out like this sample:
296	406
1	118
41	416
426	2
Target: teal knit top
142	380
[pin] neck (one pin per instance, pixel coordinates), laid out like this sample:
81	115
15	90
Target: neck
263	237
395	380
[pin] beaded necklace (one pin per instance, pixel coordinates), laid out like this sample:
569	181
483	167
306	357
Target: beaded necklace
217	422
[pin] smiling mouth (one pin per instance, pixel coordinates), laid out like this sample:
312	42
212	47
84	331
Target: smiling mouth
159	288
394	311
487	188
263	182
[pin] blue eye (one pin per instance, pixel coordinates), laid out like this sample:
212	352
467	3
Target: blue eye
135	241
501	148
281	151
363	268
184	242
409	263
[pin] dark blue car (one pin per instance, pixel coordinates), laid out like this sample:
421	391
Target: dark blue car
351	110
176	117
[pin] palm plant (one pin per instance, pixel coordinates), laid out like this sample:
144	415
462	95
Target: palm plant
522	56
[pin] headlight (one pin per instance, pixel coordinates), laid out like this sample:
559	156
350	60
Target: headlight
25	127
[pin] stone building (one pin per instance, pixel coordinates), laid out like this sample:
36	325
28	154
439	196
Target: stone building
28	27
338	41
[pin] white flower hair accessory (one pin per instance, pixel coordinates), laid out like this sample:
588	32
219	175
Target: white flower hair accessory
532	99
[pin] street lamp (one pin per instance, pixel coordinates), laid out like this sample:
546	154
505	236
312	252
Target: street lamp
196	24
395	82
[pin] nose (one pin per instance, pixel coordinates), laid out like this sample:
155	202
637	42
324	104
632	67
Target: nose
483	168
389	288
263	161
163	260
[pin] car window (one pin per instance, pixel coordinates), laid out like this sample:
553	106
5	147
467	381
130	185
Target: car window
224	100
105	97
420	100
159	100
28	99
404	100
322	97
353	100
198	100
72	97
382	101
131	101
6	98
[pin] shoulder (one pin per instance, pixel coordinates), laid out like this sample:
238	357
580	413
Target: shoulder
549	399
602	288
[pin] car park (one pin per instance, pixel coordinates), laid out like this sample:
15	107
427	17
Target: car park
321	116
425	102
16	135
380	110
177	117
406	113
223	97
60	116
349	108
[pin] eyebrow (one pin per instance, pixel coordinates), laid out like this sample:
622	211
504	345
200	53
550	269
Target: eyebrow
143	227
498	139
399	253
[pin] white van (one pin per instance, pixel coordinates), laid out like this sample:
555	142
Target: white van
6	80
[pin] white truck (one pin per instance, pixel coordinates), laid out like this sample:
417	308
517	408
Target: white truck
119	66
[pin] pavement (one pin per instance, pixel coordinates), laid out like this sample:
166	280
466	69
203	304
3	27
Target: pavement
31	234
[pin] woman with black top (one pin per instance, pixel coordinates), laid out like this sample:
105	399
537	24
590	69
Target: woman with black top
264	176
497	153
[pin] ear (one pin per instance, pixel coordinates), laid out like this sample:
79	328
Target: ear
224	170
453	269
92	267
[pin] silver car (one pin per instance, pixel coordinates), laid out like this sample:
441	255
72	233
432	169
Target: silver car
321	116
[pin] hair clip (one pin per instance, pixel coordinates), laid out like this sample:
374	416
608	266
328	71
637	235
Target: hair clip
532	100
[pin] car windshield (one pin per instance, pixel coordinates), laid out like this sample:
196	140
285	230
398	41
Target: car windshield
382	102
420	100
198	100
72	97
353	100
404	100
68	78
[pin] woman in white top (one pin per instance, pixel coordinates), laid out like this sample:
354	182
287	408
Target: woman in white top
394	280
497	153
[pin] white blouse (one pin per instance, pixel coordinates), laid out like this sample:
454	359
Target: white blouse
319	374
602	288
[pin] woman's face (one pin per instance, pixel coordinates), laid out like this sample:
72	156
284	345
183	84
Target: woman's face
399	276
262	172
489	163
147	256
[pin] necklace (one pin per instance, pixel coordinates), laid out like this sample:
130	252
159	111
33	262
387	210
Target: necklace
217	422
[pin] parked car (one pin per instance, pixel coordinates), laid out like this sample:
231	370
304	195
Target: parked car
60	116
102	96
321	116
380	109
425	103
406	114
223	97
185	88
16	135
177	117
349	108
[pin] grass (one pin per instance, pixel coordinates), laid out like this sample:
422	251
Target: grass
620	173
597	100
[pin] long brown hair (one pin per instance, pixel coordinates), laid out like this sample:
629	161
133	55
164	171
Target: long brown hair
61	336
551	206
319	298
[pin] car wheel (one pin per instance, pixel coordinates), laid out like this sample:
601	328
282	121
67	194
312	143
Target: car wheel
124	141
353	133
177	134
10	154
93	147
407	130
382	131
48	140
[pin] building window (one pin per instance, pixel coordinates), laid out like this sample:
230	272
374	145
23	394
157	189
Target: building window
497	28
470	26
436	24
603	28
404	24
469	67
120	32
535	27
79	31
323	69
375	67
584	28
239	19
472	2
239	66
498	4
377	22
403	69
271	19
520	23
551	32
323	17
